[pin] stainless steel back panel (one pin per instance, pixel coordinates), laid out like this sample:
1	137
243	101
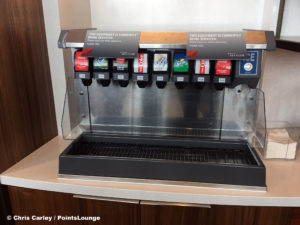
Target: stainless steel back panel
153	111
189	112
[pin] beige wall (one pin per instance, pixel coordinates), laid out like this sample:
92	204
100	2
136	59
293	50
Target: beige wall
281	78
52	27
281	84
62	14
184	15
74	14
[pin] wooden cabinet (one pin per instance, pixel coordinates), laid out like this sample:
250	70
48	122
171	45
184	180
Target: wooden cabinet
27	114
35	202
216	215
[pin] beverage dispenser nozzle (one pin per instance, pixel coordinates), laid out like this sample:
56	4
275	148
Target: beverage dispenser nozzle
201	72
223	72
161	68
82	67
141	73
121	71
101	70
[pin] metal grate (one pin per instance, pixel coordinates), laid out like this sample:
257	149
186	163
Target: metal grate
173	131
155	152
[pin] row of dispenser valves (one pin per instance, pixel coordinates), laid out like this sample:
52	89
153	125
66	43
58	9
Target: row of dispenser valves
160	70
159	66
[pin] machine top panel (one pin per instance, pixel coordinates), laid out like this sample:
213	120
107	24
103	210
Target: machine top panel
175	40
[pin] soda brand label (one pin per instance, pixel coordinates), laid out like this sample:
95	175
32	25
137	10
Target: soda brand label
120	64
81	62
223	67
100	63
160	62
181	63
202	66
140	64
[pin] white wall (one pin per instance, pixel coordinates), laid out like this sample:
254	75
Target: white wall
281	84
74	14
56	60
166	15
270	15
184	15
291	18
62	14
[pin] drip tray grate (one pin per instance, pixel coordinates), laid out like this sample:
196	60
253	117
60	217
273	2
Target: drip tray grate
163	158
155	152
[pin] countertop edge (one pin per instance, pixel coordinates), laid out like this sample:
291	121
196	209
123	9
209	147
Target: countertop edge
151	196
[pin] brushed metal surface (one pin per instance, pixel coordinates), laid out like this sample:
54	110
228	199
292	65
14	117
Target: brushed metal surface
163	182
142	202
153	111
123	200
159	46
238	112
190	112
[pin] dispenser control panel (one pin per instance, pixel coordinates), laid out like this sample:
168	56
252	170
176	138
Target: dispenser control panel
160	67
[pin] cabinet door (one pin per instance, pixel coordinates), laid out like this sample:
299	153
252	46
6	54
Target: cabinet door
29	202
216	215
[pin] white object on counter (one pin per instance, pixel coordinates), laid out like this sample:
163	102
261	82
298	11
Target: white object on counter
280	145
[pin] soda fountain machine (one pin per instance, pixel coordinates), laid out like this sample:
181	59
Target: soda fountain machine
161	117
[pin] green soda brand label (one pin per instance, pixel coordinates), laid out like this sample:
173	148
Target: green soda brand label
100	63
180	63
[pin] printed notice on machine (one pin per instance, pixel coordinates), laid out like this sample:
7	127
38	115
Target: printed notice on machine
216	45
112	44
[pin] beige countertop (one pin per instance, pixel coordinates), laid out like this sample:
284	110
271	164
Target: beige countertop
39	170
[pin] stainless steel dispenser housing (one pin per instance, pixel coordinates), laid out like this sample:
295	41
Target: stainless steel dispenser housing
176	117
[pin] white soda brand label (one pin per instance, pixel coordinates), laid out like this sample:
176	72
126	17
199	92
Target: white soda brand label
202	66
140	64
160	62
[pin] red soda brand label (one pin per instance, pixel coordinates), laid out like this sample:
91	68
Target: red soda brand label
202	66
141	63
223	67
81	62
120	60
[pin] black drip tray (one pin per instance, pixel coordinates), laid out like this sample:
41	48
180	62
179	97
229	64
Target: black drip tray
221	162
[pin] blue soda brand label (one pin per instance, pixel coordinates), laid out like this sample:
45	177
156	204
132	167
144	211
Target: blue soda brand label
249	66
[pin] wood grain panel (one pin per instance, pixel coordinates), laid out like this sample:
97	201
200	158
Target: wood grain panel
36	202
295	220
27	116
26	100
251	37
273	216
163	38
255	37
217	215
